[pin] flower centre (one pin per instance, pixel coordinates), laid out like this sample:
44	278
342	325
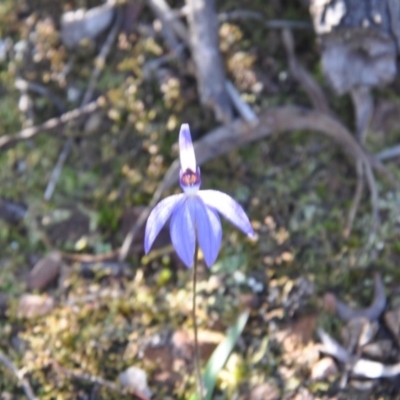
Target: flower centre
190	178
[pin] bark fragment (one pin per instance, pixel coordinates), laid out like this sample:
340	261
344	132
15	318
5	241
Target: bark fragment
358	40
204	42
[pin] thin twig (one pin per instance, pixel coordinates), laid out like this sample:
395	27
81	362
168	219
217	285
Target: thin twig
364	107
378	166
356	199
306	80
49	125
240	14
269	23
388	153
363	104
93	379
87	258
97	380
153	65
168	33
99	63
243	108
332	347
173	26
20	376
57	169
373	188
55	174
23	86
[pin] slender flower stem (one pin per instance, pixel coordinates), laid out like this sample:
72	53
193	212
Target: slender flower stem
199	380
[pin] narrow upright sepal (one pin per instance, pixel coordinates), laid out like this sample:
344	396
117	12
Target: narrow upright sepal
186	150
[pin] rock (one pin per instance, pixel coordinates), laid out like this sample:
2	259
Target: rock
265	391
358	332
81	24
45	271
135	380
329	302
12	212
381	349
33	305
93	122
301	394
363	385
73	94
323	369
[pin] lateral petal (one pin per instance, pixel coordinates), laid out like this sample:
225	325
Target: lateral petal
158	217
209	231
186	150
183	235
229	208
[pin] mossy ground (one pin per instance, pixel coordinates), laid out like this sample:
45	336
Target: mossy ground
296	188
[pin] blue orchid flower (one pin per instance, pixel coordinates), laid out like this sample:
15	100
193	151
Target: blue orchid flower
194	213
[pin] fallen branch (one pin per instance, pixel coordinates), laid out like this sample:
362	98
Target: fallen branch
332	347
239	133
20	376
49	125
363	107
204	44
356	366
373	312
174	30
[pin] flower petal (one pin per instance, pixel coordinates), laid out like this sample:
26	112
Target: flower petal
183	236
228	207
186	150
208	226
158	217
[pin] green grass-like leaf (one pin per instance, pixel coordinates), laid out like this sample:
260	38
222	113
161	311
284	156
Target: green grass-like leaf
221	355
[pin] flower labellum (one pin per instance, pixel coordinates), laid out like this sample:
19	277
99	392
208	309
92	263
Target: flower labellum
194	213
